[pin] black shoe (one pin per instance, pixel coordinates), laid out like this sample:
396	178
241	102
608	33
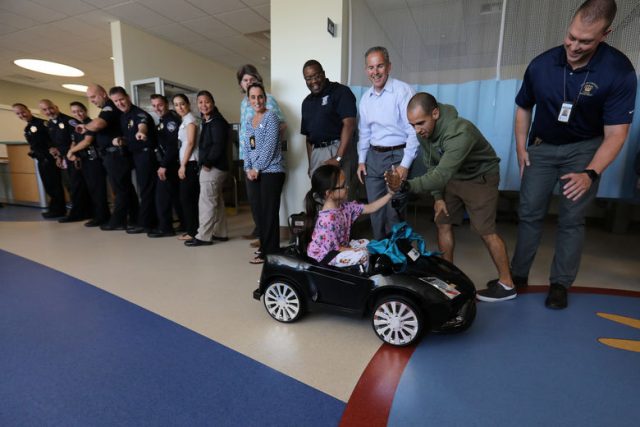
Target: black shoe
496	292
109	227
51	215
92	223
160	233
69	219
197	242
520	282
219	239
557	297
136	229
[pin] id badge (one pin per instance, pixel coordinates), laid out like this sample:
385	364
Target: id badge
565	112
252	142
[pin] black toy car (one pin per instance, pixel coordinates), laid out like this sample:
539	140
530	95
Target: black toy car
428	294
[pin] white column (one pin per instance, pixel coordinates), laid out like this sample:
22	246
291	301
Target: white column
299	33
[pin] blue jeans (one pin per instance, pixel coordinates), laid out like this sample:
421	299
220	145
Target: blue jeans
548	163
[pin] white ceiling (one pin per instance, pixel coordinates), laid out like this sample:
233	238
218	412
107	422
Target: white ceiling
77	33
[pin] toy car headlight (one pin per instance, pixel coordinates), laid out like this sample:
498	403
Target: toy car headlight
448	289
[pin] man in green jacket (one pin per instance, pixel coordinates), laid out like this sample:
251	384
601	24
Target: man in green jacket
462	174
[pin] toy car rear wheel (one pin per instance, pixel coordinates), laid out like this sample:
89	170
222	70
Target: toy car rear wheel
282	301
397	321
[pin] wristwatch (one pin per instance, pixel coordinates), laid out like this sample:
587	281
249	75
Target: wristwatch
592	174
339	159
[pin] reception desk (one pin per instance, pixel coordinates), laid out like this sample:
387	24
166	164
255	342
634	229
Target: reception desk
20	181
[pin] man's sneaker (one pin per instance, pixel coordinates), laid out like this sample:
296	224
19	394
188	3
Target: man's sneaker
518	282
496	292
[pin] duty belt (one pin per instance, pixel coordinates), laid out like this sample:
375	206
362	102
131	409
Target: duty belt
382	149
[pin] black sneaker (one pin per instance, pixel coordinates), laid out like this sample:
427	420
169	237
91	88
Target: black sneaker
518	282
496	292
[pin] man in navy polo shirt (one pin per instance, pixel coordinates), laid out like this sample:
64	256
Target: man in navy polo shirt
584	94
328	119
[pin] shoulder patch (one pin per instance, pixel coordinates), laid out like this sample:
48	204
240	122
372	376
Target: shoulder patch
107	108
171	126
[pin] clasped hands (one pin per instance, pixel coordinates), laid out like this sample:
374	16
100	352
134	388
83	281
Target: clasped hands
394	178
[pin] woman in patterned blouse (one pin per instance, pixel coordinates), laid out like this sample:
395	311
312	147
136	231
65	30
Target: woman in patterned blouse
264	166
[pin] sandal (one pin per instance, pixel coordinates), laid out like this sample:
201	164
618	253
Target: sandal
257	260
184	236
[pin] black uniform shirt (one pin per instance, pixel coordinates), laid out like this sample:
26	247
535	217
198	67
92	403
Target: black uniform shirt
111	115
79	137
129	122
37	135
322	114
61	132
168	138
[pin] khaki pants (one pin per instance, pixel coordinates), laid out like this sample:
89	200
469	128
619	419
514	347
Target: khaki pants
212	215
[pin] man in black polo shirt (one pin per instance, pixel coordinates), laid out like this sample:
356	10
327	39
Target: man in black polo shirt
584	94
116	158
61	133
37	136
328	120
139	136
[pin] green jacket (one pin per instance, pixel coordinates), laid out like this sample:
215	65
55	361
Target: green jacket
455	150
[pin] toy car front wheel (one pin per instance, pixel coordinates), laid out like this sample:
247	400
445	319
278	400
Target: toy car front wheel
397	321
283	302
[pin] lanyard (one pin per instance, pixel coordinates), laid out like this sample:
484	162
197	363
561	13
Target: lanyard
564	84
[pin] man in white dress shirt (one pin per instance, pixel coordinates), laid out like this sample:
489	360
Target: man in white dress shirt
386	136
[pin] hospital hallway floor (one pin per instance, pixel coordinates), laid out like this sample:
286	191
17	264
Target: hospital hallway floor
108	329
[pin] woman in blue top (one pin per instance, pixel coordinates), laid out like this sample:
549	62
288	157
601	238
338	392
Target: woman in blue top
247	75
264	166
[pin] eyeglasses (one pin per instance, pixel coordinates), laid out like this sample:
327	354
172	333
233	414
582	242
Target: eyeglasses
316	76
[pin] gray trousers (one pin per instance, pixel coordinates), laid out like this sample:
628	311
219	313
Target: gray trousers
377	163
548	163
212	214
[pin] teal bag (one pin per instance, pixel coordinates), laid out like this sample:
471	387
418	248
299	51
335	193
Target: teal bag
389	247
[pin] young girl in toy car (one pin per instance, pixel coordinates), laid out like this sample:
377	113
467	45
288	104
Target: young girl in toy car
333	215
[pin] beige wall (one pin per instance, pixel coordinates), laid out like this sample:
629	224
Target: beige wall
139	55
288	54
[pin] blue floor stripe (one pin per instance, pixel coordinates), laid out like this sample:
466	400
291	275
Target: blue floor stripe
71	354
521	364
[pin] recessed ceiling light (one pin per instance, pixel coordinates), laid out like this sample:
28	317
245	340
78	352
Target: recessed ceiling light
48	67
77	88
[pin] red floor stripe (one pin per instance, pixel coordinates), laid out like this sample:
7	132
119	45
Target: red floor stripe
370	402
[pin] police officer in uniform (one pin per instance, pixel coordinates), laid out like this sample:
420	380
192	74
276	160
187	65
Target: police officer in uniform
60	131
139	135
37	136
116	159
83	148
167	182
